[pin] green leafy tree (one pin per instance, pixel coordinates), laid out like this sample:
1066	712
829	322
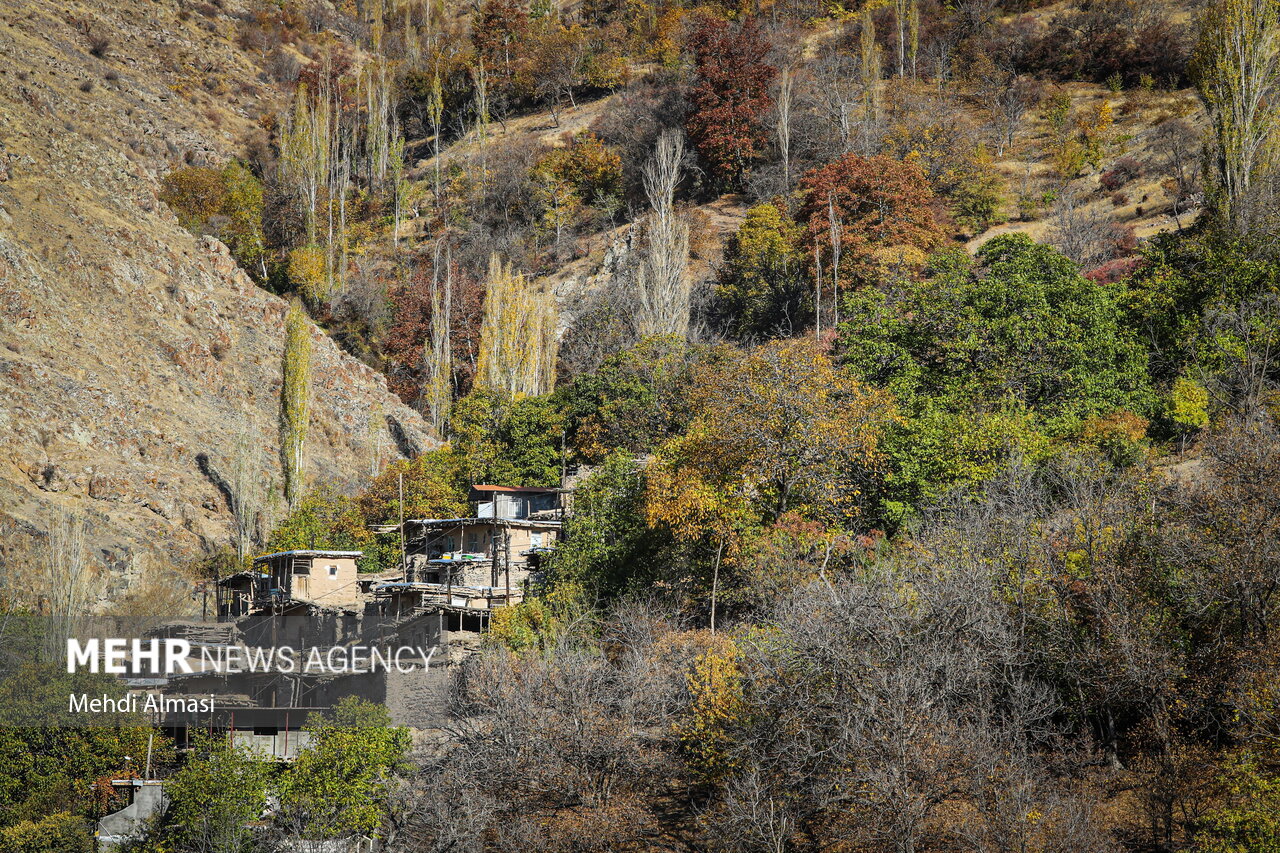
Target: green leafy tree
608	549
940	449
1018	323
51	756
517	442
227	203
324	519
763	286
50	768
433	488
1189	405
978	199
1237	69
637	399
1208	309
60	832
1166	298
1248	821
216	796
339	784
989	359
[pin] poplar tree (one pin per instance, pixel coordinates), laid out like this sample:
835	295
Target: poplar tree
786	98
913	36
481	80
870	69
66	577
295	401
902	17
437	353
435	111
661	281
517	335
384	146
245	487
380	126
1237	66
342	182
305	153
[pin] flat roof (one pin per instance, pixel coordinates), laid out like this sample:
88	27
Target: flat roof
240	575
534	489
306	553
516	522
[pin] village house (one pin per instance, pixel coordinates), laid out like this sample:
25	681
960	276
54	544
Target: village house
456	572
482	561
327	578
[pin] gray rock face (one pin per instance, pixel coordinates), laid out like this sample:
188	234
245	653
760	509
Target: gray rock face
134	355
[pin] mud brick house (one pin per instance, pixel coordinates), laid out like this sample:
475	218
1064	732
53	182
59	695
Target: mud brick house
326	578
481	561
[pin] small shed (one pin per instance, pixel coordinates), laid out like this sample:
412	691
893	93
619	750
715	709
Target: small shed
516	502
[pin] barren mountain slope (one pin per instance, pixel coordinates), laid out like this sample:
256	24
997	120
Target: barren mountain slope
133	354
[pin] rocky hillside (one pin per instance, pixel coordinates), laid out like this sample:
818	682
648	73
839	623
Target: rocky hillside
132	354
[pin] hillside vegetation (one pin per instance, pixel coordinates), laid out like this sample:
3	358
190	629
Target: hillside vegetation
916	363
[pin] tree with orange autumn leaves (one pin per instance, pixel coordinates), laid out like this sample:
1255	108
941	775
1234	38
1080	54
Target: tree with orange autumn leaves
865	215
778	428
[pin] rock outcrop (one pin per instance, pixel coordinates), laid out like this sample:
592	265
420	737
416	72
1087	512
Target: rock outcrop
134	355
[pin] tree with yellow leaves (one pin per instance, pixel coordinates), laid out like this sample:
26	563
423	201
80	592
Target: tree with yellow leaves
306	155
295	400
707	729
517	335
437	353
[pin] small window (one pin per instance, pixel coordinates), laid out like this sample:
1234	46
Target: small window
535	540
333	571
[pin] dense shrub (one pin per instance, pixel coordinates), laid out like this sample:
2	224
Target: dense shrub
1110	38
58	833
1123	171
226	203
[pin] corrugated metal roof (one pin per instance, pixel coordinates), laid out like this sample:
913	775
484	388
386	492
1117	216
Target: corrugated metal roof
485	521
308	553
534	489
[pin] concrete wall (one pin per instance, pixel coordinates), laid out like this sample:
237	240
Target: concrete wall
118	827
272	743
